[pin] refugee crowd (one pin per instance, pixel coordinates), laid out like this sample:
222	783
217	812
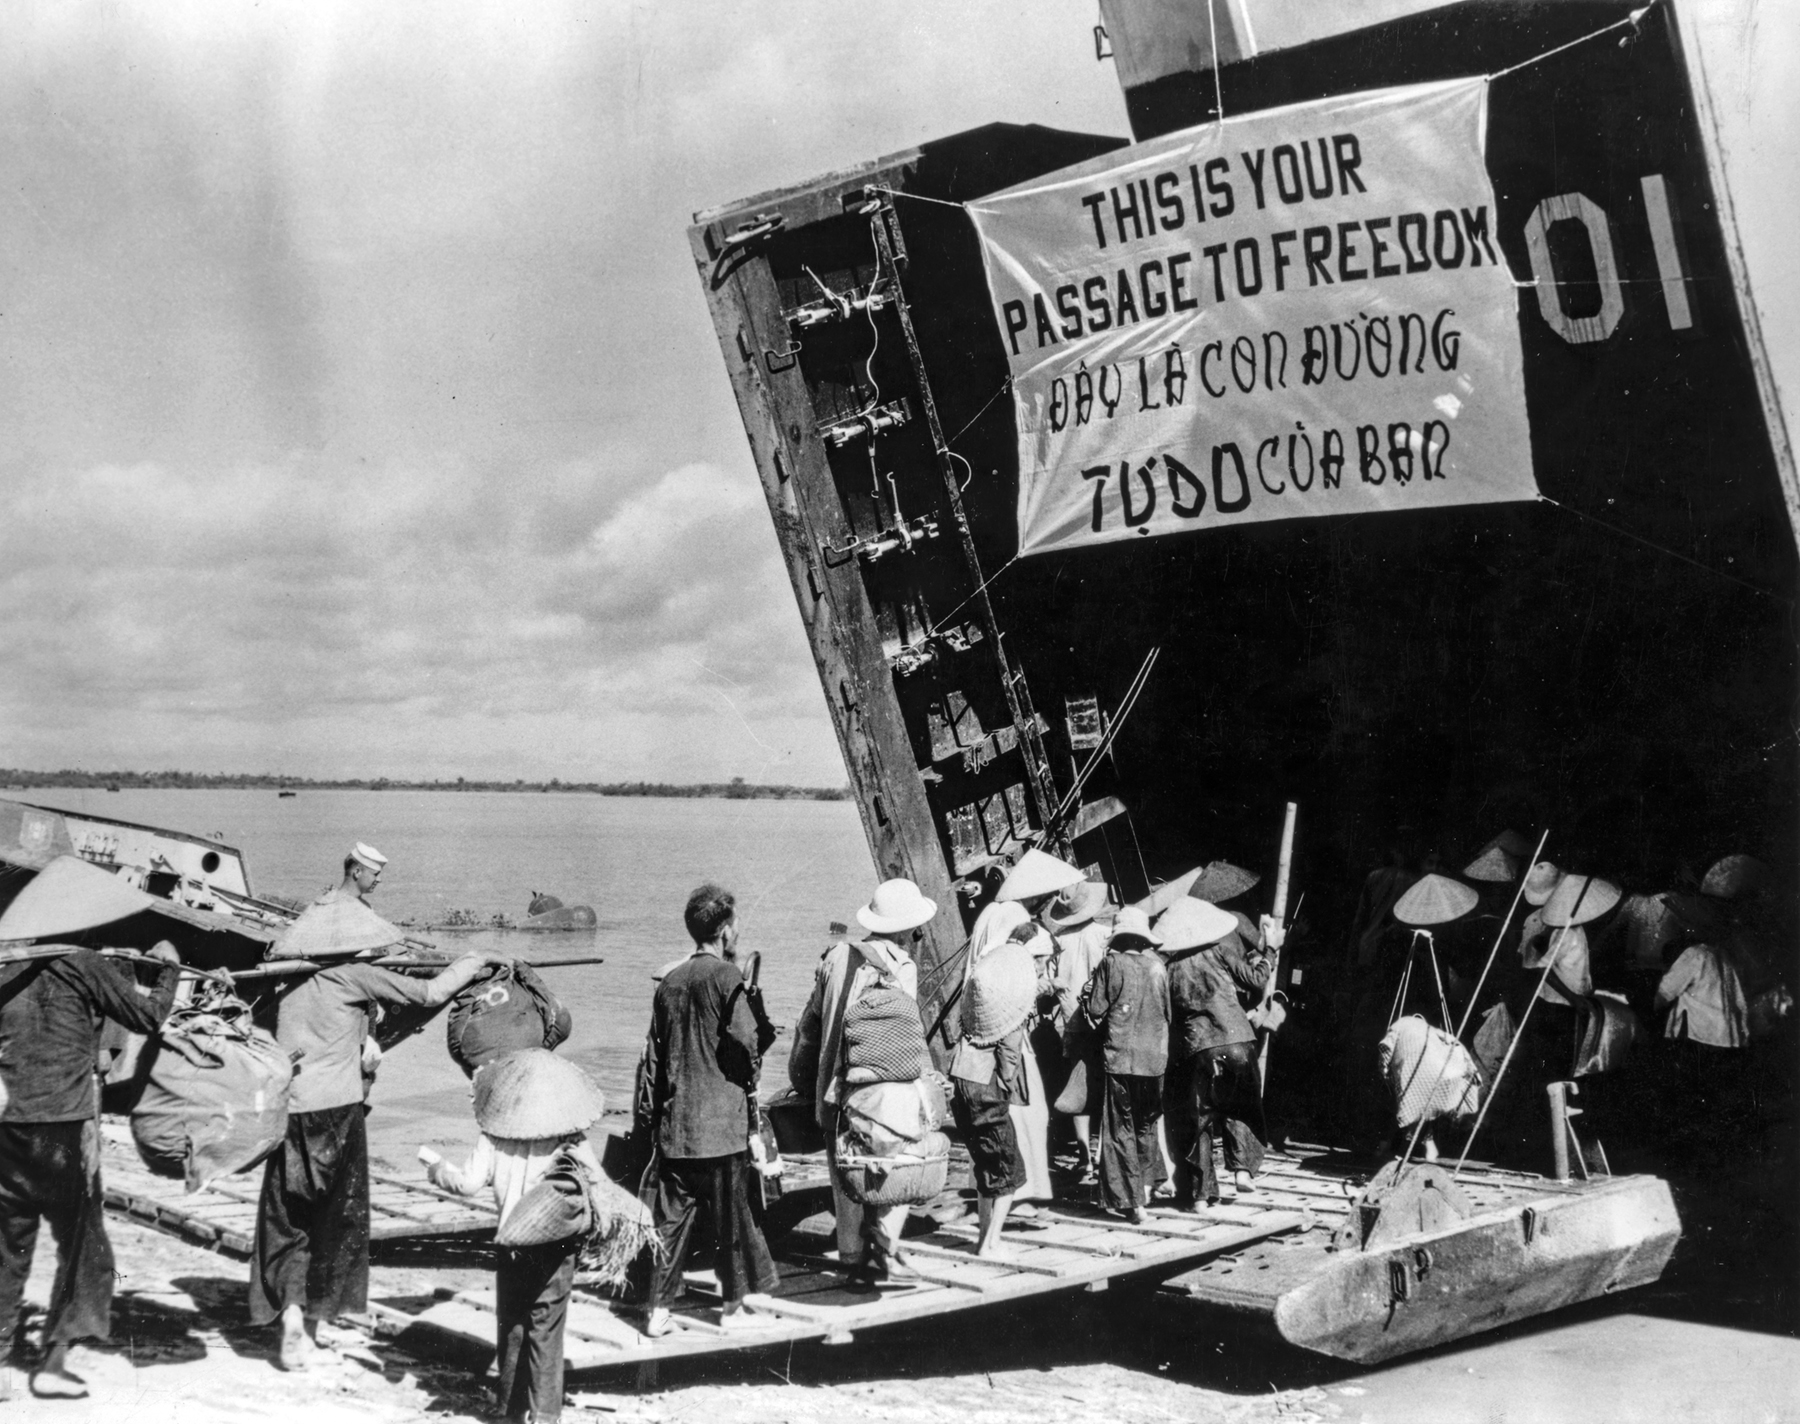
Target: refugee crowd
1135	1035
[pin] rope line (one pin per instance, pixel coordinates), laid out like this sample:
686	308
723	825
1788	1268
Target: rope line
939	622
1212	25
1632	19
1661	549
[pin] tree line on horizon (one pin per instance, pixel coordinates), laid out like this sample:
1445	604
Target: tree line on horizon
737	789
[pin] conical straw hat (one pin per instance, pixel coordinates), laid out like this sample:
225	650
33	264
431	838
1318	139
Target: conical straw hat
533	1093
1167	893
1038	874
333	929
1435	900
1500	860
67	896
1734	876
1222	881
1580	898
1190	923
1001	993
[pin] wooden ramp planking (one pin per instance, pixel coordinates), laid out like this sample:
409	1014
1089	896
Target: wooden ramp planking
224	1215
1074	1248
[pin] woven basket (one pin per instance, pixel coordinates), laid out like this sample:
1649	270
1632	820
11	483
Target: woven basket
897	1181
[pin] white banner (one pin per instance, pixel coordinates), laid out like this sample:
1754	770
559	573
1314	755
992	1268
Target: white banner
1298	312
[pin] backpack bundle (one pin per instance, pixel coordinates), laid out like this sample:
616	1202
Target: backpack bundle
215	1094
511	1008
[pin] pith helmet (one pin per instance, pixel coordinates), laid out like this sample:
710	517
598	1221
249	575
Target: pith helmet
1133	924
1540	882
896	906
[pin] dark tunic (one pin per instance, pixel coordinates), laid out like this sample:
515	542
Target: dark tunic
51	1016
1203	993
700	1068
1127	1000
701	1060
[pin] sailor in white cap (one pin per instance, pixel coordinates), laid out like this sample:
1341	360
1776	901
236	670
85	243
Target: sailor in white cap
362	873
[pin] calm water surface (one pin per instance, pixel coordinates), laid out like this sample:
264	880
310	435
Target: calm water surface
795	866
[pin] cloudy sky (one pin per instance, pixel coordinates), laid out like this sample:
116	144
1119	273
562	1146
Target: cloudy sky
359	411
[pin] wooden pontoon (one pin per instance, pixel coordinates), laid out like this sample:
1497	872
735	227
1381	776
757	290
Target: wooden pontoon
1292	1252
223	1216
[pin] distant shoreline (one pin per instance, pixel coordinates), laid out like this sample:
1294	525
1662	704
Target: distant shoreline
737	789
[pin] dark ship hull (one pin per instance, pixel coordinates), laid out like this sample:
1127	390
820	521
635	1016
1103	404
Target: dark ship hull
1614	662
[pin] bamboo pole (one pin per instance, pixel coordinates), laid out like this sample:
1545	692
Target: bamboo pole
1275	929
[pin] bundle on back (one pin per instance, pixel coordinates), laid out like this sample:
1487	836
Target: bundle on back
884	1041
510	1009
215	1099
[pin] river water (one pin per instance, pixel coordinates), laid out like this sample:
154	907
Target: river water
795	867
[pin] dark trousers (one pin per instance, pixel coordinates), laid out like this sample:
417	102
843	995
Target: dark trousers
718	1189
1214	1096
531	1306
312	1224
52	1170
1130	1160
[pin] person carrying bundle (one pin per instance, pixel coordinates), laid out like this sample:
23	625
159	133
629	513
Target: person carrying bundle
988	1072
51	1012
310	1259
534	1110
818	1067
1428	1072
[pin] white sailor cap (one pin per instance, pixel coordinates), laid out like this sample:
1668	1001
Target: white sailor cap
368	855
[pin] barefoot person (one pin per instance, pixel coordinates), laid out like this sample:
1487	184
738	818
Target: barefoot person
51	1011
310	1260
988	1073
700	1069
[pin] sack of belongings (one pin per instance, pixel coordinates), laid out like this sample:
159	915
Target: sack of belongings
903	1178
510	1009
1430	1074
215	1099
555	1208
884	1041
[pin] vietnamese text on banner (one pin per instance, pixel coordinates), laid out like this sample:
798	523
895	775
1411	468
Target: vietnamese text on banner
1297	312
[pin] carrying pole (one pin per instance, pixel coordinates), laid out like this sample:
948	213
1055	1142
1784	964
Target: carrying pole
1275	929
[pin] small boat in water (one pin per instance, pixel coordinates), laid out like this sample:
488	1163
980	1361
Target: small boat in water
284	794
543	913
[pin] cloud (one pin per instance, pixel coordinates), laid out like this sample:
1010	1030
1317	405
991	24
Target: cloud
419	602
363	414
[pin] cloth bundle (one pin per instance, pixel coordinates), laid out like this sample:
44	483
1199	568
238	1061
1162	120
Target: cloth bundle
884	1118
884	1041
1430	1074
1000	994
511	1008
1607	1035
215	1099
